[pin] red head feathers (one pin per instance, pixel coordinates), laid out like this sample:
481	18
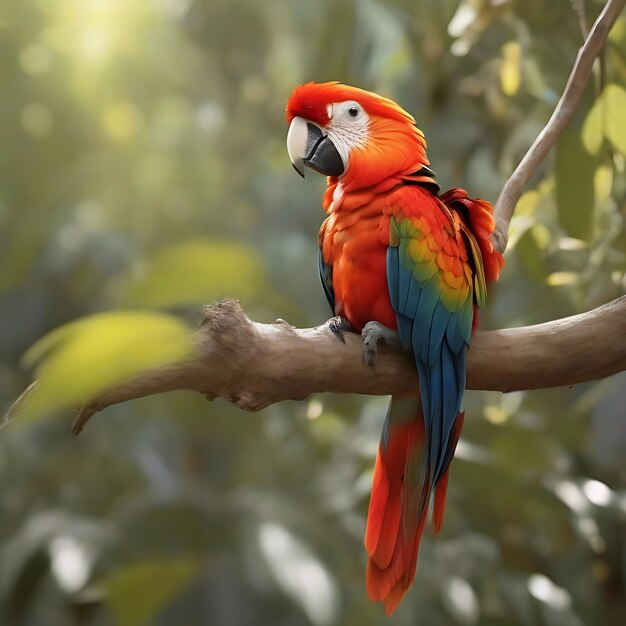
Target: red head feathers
311	99
375	137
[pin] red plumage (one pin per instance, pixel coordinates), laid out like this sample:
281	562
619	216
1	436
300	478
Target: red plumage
385	204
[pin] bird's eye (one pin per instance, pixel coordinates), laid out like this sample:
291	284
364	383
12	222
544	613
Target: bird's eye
353	111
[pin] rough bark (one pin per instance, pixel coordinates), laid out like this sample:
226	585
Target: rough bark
255	365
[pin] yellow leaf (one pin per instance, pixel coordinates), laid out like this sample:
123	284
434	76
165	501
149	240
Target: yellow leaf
571	244
510	70
603	183
524	218
77	361
615	96
606	119
520	224
556	279
527	203
592	129
496	414
617	35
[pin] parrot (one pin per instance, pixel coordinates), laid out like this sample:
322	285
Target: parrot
405	265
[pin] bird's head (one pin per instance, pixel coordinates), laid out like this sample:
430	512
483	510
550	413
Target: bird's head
351	134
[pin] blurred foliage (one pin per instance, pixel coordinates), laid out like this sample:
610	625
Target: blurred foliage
143	166
182	274
80	359
135	593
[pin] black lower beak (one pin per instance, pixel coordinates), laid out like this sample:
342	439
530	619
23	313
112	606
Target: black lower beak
322	155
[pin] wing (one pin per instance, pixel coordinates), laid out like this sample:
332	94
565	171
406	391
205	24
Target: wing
326	270
431	287
326	276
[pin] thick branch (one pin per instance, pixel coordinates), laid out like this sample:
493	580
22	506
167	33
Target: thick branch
255	364
562	114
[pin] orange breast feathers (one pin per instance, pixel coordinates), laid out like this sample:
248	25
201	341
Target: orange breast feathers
354	240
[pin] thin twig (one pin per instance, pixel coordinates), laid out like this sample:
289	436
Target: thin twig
581	13
579	76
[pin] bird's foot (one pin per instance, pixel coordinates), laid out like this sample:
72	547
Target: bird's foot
372	333
338	326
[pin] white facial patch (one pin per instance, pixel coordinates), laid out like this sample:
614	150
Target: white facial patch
348	127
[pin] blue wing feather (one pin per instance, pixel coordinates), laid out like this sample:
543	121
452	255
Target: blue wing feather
428	301
326	276
392	277
436	337
454	336
439	323
451	401
405	330
404	283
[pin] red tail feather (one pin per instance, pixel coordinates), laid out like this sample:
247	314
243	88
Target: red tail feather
393	533
394	521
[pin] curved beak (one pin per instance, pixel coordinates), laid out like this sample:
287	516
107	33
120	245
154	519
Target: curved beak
309	146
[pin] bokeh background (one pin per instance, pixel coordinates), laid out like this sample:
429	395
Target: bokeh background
143	170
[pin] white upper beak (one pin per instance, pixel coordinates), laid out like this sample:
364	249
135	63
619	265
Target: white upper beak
296	143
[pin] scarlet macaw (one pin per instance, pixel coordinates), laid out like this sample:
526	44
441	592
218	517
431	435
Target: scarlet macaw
401	263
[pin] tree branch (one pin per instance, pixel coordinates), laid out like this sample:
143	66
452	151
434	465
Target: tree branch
578	78
255	365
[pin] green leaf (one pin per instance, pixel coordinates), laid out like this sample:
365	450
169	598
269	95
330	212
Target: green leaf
135	594
524	217
606	119
615	96
79	360
192	272
574	169
530	250
592	134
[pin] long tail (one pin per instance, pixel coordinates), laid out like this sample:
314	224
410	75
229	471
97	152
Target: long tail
401	491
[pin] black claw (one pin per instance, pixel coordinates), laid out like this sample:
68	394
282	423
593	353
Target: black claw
338	325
